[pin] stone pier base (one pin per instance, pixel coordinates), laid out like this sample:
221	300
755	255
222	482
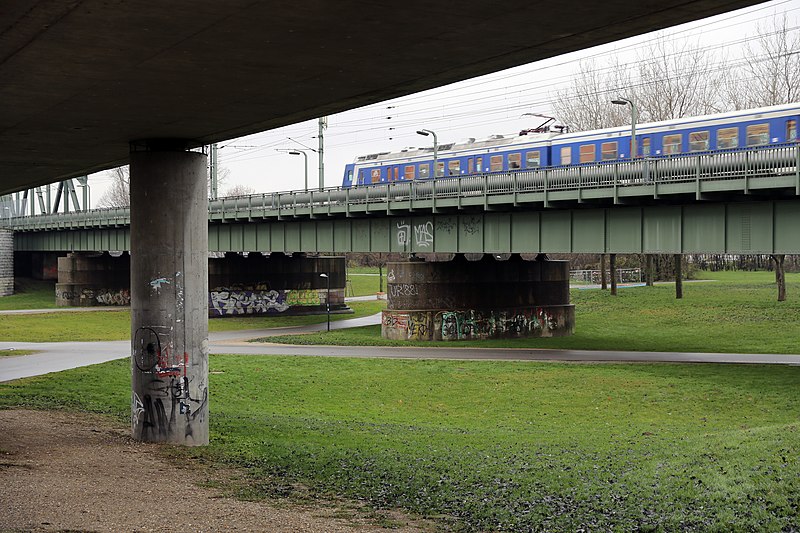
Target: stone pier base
462	300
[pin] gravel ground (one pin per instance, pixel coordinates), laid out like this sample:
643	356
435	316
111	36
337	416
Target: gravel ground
76	472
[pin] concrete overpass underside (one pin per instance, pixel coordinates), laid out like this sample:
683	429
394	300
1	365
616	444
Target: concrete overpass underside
84	78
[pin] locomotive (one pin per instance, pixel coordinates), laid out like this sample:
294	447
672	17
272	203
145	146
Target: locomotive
550	147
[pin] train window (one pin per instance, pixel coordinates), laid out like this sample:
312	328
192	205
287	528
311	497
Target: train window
496	163
454	167
424	171
672	144
514	161
533	159
375	175
727	138
698	141
646	146
439	169
757	134
479	165
361	177
791	130
409	173
470	166
566	155
608	151
587	153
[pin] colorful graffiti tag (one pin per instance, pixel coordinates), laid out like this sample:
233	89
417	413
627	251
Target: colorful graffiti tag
477	324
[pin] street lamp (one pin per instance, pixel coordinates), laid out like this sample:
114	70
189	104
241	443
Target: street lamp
425	133
305	157
634	118
327	297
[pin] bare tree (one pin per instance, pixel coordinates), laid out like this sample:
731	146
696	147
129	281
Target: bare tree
772	66
240	190
119	193
585	105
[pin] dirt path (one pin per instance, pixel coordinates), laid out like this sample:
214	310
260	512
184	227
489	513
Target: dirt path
61	471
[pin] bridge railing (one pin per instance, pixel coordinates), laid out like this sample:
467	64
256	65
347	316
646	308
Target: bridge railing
749	164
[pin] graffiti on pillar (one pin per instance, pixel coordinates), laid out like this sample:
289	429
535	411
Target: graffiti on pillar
390	276
154	353
157	283
403	234
446	224
451	325
423	234
164	403
231	303
408	325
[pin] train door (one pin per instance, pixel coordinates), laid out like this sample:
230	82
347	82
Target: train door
396	173
471	165
644	150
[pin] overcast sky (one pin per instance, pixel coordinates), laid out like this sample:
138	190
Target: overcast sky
492	104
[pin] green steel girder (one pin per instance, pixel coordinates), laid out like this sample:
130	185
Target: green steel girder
731	227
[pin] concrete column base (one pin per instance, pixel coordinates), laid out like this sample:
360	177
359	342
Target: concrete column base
6	262
486	299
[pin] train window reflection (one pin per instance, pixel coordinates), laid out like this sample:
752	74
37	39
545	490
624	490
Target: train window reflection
480	165
757	134
566	155
375	175
439	169
587	153
496	163
646	146
608	151
698	141
408	172
533	159
514	161
454	168
791	130
672	144
424	171
727	138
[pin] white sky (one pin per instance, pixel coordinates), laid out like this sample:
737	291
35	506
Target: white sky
491	104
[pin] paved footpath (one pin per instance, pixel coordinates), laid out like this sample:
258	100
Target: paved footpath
57	356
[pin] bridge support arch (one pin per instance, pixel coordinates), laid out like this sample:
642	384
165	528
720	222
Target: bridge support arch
169	293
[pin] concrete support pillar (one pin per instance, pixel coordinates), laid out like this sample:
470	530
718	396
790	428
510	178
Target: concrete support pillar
603	278
648	270
169	294
6	262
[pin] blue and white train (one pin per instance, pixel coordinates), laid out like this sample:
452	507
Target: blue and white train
547	147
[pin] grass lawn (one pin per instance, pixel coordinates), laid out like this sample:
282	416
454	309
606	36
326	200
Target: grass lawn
736	313
116	324
495	445
30	294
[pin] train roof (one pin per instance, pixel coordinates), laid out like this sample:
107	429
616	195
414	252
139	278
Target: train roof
468	144
674	123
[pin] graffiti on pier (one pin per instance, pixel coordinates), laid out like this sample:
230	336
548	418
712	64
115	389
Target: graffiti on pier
474	324
120	297
403	289
156	284
231	303
305	297
403	231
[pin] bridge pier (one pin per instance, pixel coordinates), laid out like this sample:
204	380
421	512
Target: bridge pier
461	300
6	262
169	293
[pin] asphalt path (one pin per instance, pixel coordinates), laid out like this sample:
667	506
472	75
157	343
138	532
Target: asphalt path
58	356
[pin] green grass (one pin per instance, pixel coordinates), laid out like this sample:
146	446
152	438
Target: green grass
116	324
364	283
30	294
738	313
16	353
495	445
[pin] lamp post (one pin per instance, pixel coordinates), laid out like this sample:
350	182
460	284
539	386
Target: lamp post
327	297
305	157
425	133
634	118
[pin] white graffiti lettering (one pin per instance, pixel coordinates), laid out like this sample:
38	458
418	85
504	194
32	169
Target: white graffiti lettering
423	234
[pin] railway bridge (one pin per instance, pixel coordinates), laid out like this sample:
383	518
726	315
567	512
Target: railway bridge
90	85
